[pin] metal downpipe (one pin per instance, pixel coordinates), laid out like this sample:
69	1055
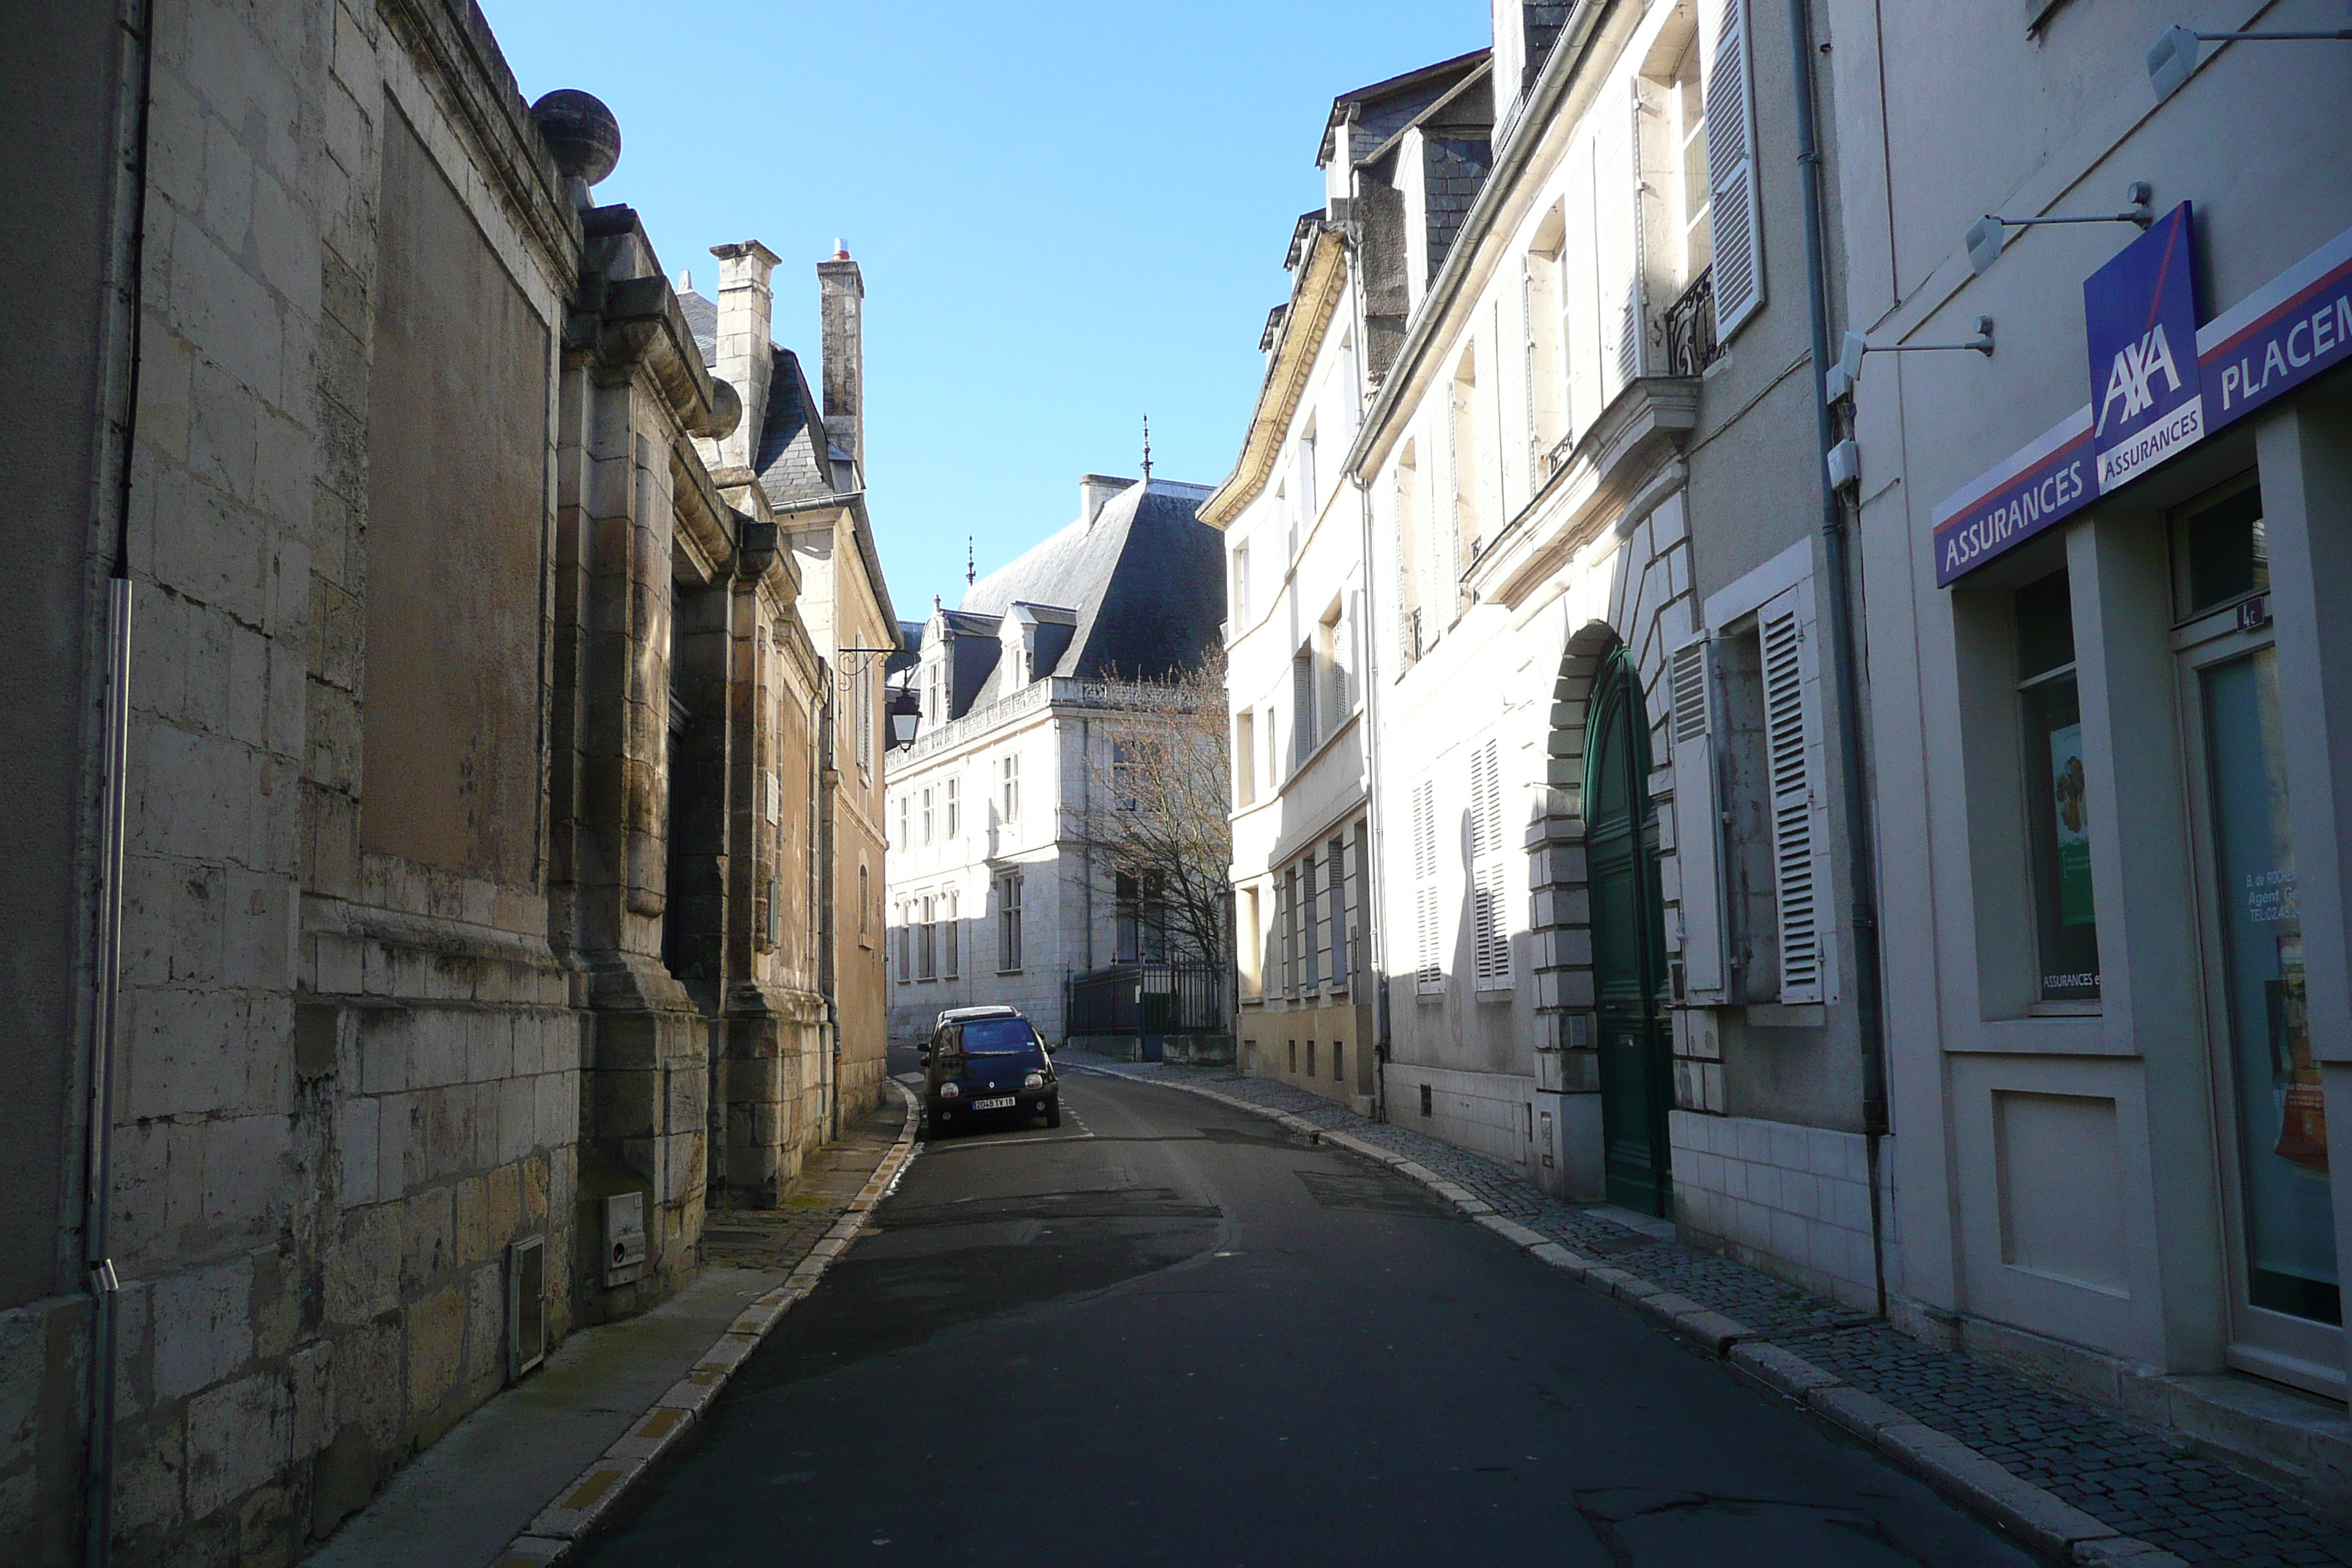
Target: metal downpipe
1853	763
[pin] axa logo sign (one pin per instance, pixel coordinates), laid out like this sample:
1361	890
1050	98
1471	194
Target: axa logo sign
2130	379
2140	312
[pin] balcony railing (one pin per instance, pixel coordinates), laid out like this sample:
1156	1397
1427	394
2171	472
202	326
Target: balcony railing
1688	328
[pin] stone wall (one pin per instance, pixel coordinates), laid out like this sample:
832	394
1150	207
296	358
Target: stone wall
475	765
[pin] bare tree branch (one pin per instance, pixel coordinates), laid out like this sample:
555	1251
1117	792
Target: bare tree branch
1157	812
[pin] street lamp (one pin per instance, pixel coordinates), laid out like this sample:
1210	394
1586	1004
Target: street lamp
1985	235
1838	384
2173	56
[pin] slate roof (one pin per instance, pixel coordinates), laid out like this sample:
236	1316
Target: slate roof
1385	108
1454	168
702	320
794	459
1145	581
1544	23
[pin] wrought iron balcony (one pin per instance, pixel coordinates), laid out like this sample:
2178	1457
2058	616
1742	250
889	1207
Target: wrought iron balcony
1688	327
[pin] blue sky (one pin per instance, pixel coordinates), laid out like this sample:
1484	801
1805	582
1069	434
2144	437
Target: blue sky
1068	215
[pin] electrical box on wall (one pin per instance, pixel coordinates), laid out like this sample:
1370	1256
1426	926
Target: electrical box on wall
526	1305
624	1234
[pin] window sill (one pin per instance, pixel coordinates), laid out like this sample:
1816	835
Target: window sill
1502	993
1008	972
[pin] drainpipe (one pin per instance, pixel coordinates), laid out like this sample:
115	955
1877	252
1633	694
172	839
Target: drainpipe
117	439
1853	765
828	792
1373	943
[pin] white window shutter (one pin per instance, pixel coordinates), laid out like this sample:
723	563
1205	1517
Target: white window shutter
1490	925
1697	820
1734	210
1789	732
1429	969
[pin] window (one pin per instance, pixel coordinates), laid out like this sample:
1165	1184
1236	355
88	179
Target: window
1410	636
1308	496
927	814
1122	777
2221	549
2058	833
1285	910
927	944
1333	637
1335	858
1302	706
955	810
1339	1058
1309	931
1689	109
903	838
864	899
1011	779
1729	141
1008	922
1429	962
1310	1058
865	721
1294	1056
1245	757
1126	919
1547	367
1489	871
1469	523
1241	586
1253	953
951	932
903	962
1289	510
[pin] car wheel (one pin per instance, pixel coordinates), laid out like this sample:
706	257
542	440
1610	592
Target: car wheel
1054	1111
939	1128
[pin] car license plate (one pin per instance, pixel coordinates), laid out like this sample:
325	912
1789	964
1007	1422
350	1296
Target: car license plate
1006	1103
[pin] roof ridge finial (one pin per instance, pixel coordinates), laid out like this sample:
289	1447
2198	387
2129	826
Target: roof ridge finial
971	571
1147	448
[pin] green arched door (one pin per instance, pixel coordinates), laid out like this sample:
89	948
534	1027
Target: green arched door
1629	942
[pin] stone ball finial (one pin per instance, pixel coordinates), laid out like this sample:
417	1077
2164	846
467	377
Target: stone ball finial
581	131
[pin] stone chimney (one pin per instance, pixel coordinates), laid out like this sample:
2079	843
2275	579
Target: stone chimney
840	299
746	306
1094	491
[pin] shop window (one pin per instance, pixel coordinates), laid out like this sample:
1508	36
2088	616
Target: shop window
2058	835
2220	551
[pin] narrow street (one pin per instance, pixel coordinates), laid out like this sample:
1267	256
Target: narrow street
1168	1333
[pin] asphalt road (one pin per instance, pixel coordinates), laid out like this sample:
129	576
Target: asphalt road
1171	1334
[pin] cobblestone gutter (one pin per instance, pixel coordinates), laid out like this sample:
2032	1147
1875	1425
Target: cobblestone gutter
2076	1482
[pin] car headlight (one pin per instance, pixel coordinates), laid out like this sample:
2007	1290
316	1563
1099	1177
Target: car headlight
1034	1080
950	1091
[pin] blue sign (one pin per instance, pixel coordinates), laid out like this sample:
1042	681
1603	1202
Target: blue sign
2148	400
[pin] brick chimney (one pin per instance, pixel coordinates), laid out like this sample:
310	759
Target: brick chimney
746	306
841	297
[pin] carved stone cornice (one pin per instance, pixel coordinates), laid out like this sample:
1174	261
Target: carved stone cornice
1643	429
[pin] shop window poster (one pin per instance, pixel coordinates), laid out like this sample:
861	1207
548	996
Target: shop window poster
2071	820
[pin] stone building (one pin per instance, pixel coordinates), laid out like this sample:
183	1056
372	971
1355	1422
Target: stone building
994	894
1297	660
467	747
1529	423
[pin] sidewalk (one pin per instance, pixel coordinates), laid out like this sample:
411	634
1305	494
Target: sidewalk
2142	1484
520	1479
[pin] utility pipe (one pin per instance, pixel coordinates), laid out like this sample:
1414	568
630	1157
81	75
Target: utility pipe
1853	765
135	63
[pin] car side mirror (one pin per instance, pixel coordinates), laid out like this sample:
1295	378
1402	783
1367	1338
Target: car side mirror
924	1055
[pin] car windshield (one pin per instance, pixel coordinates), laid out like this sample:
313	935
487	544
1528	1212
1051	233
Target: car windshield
999	1037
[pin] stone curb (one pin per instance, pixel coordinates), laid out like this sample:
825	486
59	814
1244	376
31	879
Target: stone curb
572	1513
2044	1521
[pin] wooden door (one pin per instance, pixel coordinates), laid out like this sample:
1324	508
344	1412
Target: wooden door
1628	944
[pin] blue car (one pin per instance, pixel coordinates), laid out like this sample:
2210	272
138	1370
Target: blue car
985	1066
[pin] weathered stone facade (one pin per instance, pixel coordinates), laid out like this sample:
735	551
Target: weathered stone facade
477	754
